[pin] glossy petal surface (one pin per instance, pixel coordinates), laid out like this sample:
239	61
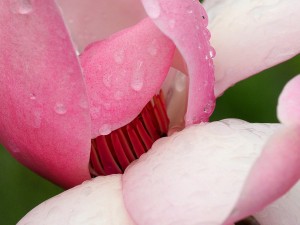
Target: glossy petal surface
285	211
44	117
194	176
123	73
93	20
184	22
250	36
96	202
288	108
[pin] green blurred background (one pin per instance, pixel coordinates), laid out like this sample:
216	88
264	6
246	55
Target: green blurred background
254	100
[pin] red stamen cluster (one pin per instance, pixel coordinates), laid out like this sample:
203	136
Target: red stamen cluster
111	154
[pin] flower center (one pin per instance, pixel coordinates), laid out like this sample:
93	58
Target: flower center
112	153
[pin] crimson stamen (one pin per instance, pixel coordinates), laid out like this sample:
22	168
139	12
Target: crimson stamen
111	154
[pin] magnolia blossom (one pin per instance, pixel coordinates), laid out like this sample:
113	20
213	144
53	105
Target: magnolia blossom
210	173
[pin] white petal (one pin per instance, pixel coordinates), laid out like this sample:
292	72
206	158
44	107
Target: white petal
195	176
96	202
250	36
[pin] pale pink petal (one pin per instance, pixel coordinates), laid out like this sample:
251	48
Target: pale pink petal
185	23
93	20
288	108
284	211
250	36
123	73
96	202
194	176
44	116
274	173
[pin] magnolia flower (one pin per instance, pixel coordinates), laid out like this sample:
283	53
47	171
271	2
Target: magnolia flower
194	185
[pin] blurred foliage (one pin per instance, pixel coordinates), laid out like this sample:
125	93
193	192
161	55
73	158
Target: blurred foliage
20	189
253	100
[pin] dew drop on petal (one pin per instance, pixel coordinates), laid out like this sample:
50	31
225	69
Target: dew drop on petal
32	96
207	33
21	6
189	10
105	129
37	119
119	56
153	48
153	8
212	52
208	108
60	108
137	79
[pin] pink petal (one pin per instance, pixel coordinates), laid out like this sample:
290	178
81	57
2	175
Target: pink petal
288	109
194	176
185	23
250	36
93	20
285	211
44	117
274	173
123	73
94	202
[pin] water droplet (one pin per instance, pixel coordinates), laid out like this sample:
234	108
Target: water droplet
189	10
206	33
37	119
172	23
105	129
107	79
32	96
118	95
60	108
208	108
119	56
21	6
153	48
212	52
137	79
153	8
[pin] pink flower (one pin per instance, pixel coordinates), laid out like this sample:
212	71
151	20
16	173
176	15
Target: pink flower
50	111
211	173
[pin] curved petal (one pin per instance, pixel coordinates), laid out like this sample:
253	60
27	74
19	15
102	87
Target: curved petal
250	36
175	92
184	22
123	73
93	20
194	176
289	103
94	202
285	211
42	93
274	173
